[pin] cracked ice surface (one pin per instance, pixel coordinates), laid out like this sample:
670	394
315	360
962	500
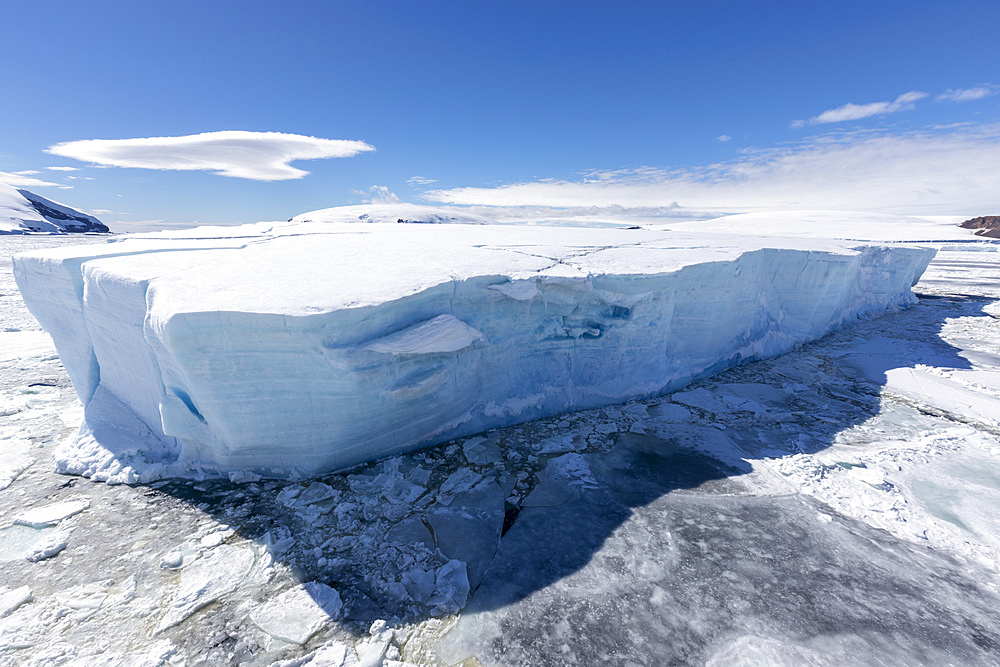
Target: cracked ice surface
298	348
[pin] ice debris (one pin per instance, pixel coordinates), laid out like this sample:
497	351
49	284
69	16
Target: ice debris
12	599
51	545
296	615
48	515
206	580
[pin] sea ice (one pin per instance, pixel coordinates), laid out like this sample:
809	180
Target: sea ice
51	514
51	545
12	599
296	615
206	580
361	341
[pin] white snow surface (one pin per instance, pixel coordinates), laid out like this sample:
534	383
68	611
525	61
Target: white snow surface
23	212
292	349
847	225
394	213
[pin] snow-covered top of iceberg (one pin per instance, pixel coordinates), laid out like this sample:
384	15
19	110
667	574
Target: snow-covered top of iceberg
291	349
347	265
828	224
23	212
396	213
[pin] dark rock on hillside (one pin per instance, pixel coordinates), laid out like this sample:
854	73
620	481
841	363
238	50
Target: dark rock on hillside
66	218
986	225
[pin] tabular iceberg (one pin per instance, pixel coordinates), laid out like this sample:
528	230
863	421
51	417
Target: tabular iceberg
298	348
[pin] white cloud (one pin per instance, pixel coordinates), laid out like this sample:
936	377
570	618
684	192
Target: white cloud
968	94
723	138
24	179
260	156
931	171
62	169
28	172
377	194
420	180
851	111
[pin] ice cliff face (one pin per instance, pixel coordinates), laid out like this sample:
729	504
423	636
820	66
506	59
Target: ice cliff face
301	348
23	212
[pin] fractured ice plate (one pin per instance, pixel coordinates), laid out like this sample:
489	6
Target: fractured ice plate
299	348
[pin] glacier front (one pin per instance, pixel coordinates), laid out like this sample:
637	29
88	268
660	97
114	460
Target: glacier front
293	349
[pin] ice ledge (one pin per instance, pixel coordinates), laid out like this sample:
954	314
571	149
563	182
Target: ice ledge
299	349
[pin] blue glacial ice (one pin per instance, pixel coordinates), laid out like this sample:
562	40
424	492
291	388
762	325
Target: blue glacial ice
293	349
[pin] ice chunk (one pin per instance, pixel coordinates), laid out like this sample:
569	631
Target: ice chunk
468	529
331	654
51	514
85	599
51	545
206	580
296	615
12	599
481	451
316	492
366	341
14	459
451	588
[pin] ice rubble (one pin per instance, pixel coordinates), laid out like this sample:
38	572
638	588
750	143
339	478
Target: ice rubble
23	212
290	349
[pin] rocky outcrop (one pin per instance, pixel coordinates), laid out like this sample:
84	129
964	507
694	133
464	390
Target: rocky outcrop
24	212
986	225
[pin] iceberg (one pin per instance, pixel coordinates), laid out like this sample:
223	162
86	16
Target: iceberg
294	349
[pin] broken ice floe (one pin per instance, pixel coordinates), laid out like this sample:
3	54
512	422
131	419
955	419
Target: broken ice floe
51	514
205	581
296	615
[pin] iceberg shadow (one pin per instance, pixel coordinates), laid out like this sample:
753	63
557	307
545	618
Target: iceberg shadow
594	519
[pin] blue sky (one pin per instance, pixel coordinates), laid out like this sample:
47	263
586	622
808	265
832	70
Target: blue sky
676	107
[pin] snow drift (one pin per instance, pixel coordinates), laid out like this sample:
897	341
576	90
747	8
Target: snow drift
23	212
299	348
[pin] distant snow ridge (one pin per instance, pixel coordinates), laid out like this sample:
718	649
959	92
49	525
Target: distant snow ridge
23	212
398	213
296	349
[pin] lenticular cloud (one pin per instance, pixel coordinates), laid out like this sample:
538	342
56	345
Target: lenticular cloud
260	156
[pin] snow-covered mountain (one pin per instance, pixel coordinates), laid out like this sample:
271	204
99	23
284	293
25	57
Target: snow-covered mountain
23	212
400	213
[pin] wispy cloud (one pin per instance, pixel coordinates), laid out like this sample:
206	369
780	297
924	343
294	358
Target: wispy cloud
723	138
852	111
28	172
377	194
24	179
933	171
62	169
259	156
968	94
420	180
